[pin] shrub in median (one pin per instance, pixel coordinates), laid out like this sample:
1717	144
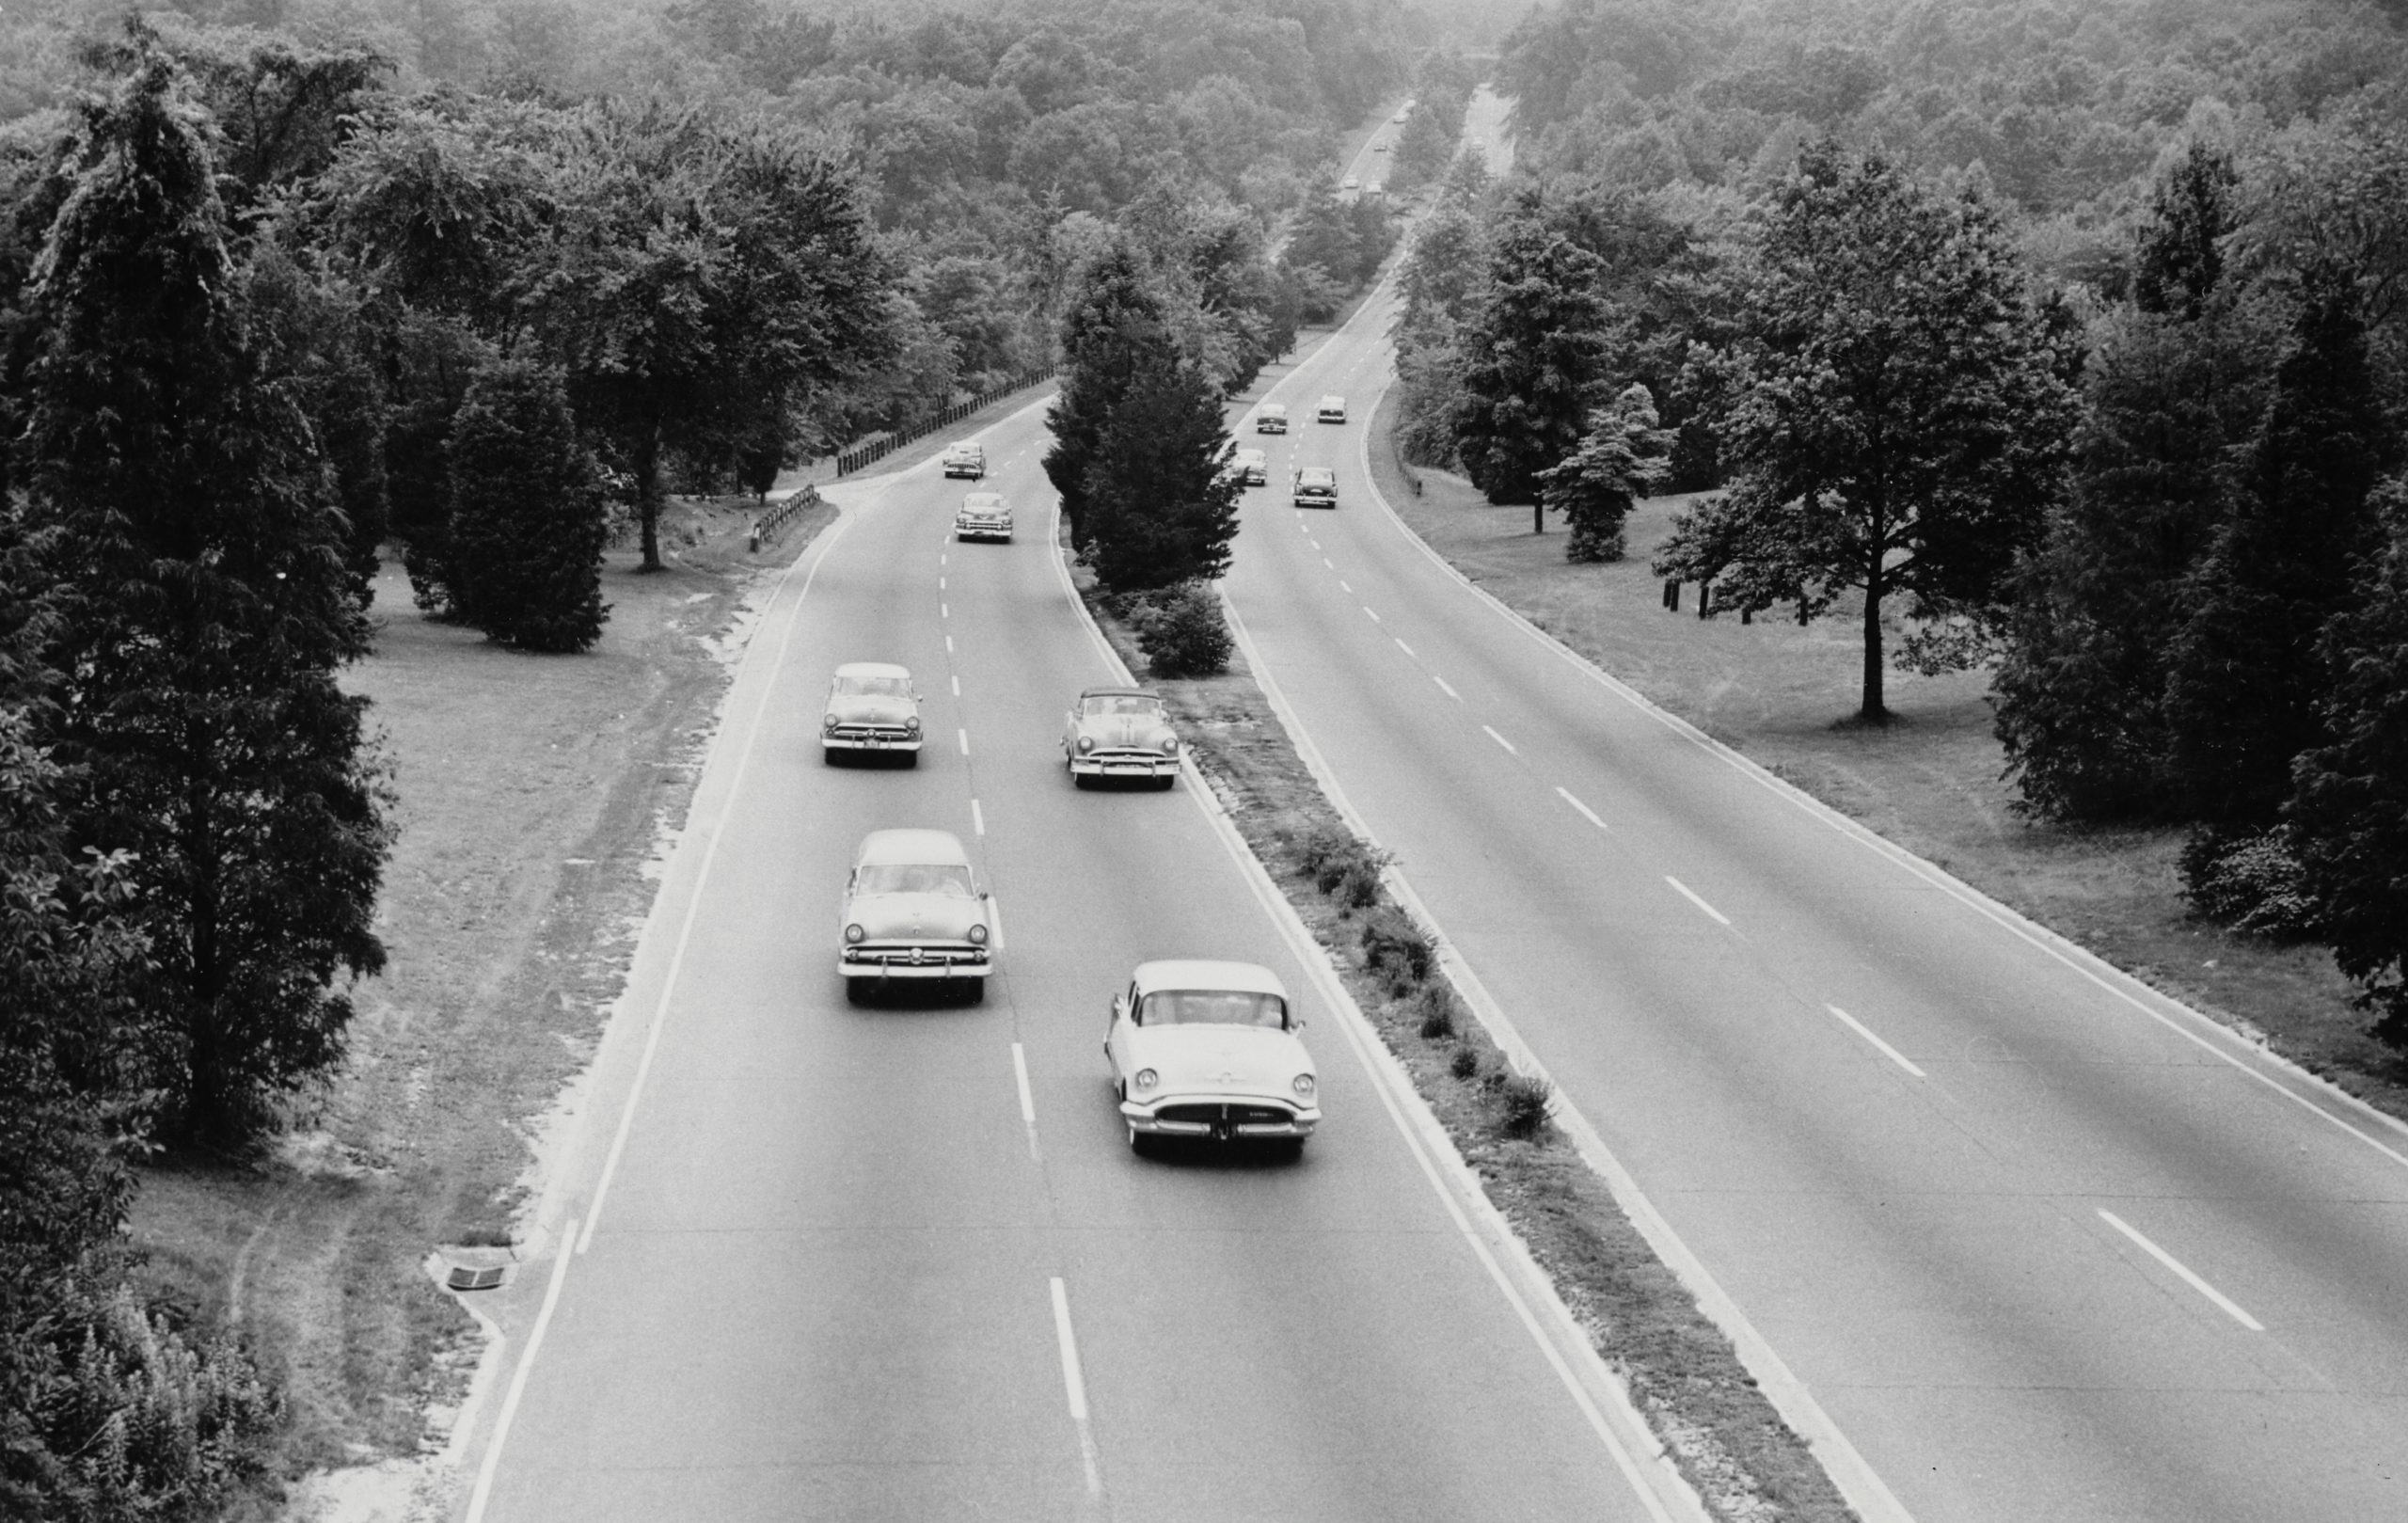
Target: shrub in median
1524	1099
1465	1064
1394	950
1433	1006
1182	631
1340	864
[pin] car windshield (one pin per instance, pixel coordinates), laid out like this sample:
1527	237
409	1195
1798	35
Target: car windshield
1112	705
872	687
950	879
1212	1008
1314	478
982	502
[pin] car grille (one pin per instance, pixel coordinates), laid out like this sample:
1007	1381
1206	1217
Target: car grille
916	954
1217	1115
870	732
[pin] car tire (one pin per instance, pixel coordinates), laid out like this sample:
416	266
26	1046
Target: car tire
1164	784
1141	1143
976	992
1292	1151
857	991
1080	780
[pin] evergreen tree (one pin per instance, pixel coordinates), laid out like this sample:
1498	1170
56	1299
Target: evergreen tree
2349	808
2178	261
1161	508
2245	685
1113	331
526	522
1593	487
1897	423
1532	353
193	532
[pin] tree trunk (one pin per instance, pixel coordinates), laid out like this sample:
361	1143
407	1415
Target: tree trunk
647	464
1538	517
1871	710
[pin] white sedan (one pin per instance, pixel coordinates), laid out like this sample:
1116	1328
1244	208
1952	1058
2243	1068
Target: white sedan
913	913
1210	1050
872	709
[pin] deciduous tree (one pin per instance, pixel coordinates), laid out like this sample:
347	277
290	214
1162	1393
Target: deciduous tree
1899	424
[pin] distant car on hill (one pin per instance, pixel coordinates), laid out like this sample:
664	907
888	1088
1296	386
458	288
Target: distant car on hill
968	459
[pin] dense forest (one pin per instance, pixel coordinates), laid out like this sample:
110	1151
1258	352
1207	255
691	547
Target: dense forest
284	288
2064	342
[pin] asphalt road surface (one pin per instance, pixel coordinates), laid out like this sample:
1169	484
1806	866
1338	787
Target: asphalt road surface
827	1262
2038	1243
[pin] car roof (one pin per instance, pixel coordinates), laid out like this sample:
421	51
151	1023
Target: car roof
915	847
1199	973
967	447
1247	451
874	669
1315	471
1085	694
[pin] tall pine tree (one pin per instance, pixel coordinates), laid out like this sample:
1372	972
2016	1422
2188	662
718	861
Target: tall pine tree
194	532
1161	509
2245	685
1532	357
1114	332
527	525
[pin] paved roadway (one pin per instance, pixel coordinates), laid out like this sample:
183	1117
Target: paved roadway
2041	1243
878	1263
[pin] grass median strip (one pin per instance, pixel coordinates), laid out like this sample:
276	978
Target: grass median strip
1681	1371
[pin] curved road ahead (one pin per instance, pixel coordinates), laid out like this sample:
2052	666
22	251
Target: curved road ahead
900	1263
2040	1243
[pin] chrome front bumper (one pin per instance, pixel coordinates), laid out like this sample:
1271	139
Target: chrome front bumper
1239	1117
1148	764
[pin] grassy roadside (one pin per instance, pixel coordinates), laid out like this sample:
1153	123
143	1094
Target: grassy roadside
531	794
1681	1371
1931	782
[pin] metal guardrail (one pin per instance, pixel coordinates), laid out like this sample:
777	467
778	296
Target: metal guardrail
766	526
879	446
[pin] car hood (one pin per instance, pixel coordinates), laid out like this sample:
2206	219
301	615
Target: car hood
1245	1060
863	708
909	917
1114	731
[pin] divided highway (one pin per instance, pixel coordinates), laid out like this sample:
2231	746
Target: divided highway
2039	1242
821	1261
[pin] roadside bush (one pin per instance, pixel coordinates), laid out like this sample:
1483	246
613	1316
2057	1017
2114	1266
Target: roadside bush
2250	882
1465	1064
1340	866
1434	1003
1395	951
1525	1100
1183	632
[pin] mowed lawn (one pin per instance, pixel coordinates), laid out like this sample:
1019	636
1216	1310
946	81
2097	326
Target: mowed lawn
1931	781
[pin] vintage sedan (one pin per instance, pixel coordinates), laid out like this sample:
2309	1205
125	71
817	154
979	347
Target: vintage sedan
1332	410
1253	468
1210	1050
1271	417
968	459
984	516
1120	733
914	916
872	709
1313	486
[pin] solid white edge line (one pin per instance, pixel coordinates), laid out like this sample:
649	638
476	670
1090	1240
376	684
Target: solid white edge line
702	876
1690	895
1659	1486
1858	1482
2224	1302
1586	813
1074	1386
1866	1032
491	1464
2210	1035
1446	687
977	819
1501	740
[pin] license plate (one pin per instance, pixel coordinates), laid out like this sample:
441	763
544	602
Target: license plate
873	742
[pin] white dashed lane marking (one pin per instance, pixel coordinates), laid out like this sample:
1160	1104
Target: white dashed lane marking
1502	741
1402	647
964	737
1691	897
1367	609
2224	1302
1445	689
1863	1030
1586	813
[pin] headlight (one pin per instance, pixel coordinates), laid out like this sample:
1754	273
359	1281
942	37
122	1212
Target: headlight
852	935
1303	1086
829	723
977	935
912	725
1087	743
1146	1079
1170	745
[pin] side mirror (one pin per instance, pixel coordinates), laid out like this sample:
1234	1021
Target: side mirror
1297	1025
